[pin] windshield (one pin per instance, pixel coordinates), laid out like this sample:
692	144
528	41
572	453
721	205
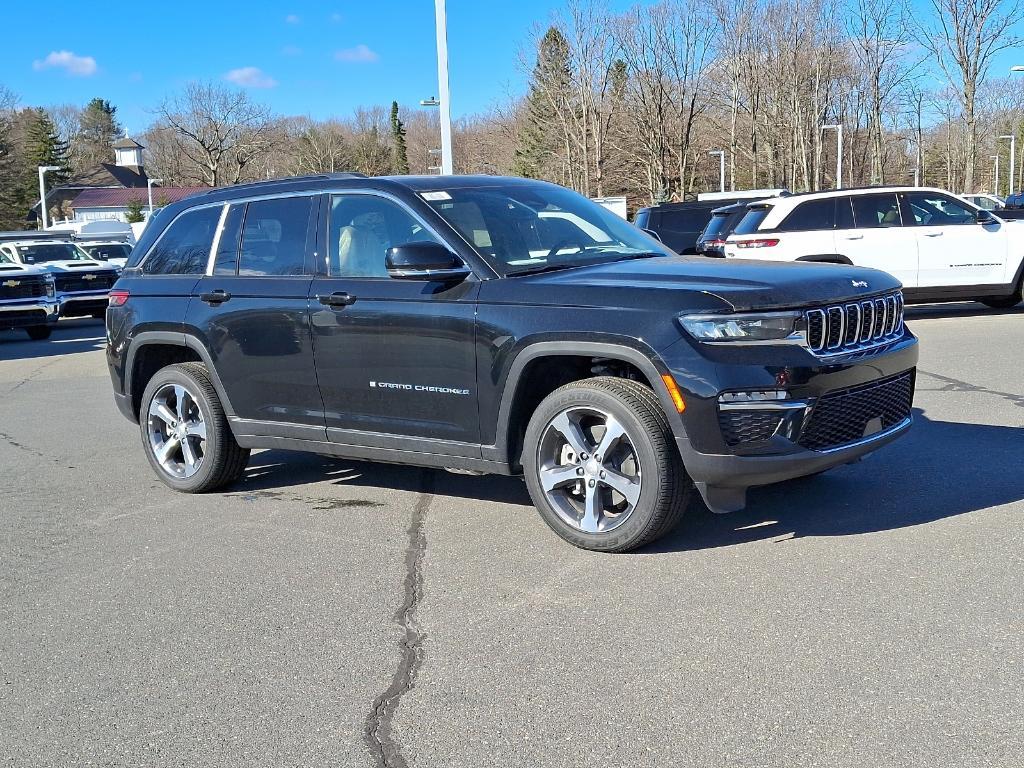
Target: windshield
109	251
522	228
40	253
717	225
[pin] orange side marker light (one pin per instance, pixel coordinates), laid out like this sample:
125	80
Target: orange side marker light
674	393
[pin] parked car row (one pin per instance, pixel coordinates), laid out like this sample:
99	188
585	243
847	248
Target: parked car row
46	275
940	246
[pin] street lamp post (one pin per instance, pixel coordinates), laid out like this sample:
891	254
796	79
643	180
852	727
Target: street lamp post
995	181
721	167
1013	160
838	128
442	83
149	191
42	190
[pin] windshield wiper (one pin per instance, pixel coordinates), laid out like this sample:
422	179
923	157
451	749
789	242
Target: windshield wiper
642	255
545	268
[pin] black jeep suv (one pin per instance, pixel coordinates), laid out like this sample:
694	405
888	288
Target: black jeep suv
497	325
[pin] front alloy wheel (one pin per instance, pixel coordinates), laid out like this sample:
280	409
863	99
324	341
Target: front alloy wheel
177	431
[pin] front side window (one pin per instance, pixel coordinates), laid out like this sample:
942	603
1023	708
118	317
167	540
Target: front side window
873	211
41	253
363	228
522	227
934	210
274	236
810	216
184	248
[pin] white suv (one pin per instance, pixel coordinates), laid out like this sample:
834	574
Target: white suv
939	246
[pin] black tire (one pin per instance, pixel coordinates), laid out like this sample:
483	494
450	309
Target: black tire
223	460
1002	302
665	487
39	332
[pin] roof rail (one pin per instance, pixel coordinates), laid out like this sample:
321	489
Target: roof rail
289	180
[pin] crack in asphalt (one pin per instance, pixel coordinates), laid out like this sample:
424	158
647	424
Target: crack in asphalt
33	375
956	385
377	733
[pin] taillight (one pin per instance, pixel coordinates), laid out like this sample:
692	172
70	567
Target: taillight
768	242
716	243
117	298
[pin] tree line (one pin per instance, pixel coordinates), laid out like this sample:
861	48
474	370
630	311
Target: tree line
623	104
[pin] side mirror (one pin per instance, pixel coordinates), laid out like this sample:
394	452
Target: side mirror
424	261
654	234
984	217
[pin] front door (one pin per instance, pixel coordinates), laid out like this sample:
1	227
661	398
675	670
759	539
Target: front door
393	357
954	248
872	234
253	312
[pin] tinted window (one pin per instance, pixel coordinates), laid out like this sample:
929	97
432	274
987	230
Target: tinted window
363	228
933	210
184	247
44	252
274	237
716	226
810	216
751	220
844	213
226	260
872	211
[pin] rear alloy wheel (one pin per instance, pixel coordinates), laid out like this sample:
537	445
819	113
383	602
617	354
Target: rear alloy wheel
39	332
186	435
602	467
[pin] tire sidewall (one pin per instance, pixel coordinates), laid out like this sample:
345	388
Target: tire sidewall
162	378
634	527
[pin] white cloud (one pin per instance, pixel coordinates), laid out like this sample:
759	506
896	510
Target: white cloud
291	18
360	53
250	77
79	66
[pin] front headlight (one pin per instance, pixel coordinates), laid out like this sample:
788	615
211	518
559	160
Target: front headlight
51	288
764	326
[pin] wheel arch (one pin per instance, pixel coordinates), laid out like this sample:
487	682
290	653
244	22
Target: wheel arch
580	358
827	258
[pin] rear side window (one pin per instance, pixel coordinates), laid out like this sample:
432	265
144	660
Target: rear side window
184	248
810	216
274	237
751	220
873	211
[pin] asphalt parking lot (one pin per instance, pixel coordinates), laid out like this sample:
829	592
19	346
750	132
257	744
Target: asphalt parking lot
326	612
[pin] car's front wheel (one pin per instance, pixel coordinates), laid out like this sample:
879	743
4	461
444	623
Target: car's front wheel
185	432
601	465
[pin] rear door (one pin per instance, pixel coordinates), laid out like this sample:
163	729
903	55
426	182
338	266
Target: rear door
252	313
871	233
954	248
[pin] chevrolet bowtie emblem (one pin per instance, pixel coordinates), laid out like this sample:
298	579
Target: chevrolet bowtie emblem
88	277
12	283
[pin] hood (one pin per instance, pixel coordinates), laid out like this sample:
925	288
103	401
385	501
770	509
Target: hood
73	265
739	284
18	270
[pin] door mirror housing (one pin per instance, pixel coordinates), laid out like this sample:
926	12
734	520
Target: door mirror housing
424	260
984	217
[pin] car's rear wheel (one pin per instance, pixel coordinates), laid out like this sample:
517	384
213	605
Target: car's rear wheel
601	465
39	332
185	432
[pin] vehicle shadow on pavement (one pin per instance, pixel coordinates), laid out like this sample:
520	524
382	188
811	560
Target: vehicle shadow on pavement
273	470
69	337
940	469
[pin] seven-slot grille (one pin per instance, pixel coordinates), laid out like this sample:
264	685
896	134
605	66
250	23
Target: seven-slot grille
90	281
15	287
856	325
847	415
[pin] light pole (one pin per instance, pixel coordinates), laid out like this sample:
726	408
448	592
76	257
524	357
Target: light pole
838	128
1017	68
995	182
1013	160
442	83
42	190
149	191
721	167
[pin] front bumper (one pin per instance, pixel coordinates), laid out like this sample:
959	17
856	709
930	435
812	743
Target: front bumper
82	304
23	314
723	467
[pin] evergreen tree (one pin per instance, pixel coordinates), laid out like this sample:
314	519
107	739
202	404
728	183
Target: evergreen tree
134	214
550	86
98	130
11	214
36	143
400	157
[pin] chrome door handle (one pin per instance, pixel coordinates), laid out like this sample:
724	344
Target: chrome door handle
933	234
853	237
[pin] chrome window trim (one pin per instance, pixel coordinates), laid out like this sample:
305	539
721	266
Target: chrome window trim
765	405
141	265
216	240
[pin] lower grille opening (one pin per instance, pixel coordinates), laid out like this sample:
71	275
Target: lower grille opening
848	415
748	426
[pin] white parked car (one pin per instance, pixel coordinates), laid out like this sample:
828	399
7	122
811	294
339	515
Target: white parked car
939	246
27	299
113	251
988	202
82	283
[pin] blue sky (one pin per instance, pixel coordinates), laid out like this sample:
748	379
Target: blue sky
298	56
